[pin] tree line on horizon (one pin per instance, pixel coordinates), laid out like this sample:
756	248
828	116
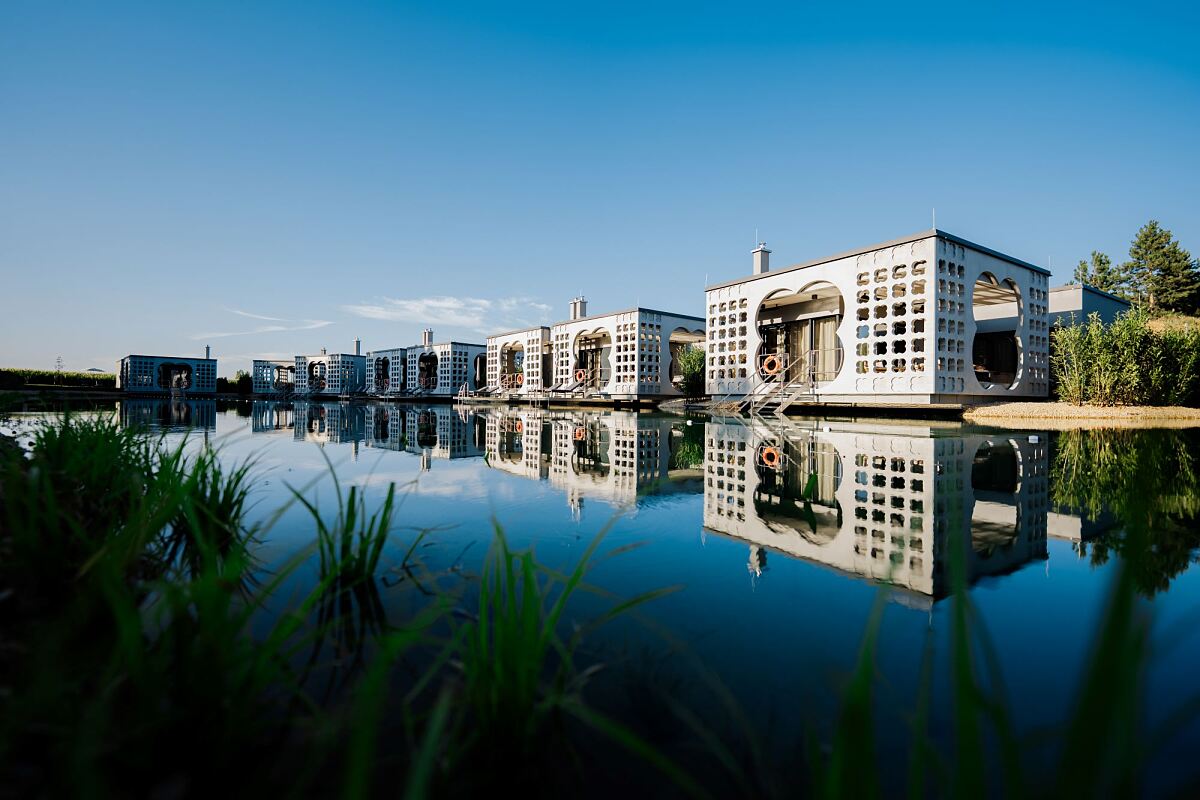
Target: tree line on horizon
1160	275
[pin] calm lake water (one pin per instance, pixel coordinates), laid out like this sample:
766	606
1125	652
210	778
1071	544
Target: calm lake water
781	537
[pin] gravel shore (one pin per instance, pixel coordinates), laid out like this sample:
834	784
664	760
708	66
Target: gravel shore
1066	415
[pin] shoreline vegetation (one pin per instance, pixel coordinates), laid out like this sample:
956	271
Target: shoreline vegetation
146	651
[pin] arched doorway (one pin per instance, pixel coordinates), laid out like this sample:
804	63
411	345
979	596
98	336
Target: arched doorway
593	359
174	376
512	365
427	372
798	334
479	371
316	376
383	374
680	341
996	350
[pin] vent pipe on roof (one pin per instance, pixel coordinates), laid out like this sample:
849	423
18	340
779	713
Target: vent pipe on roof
762	259
207	351
578	307
357	346
427	337
323	352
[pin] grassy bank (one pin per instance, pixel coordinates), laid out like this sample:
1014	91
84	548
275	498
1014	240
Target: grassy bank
146	652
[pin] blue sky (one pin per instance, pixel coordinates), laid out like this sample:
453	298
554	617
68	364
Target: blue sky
271	178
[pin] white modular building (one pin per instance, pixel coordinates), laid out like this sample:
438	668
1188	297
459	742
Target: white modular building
624	355
444	369
331	374
520	362
273	377
927	318
387	371
140	374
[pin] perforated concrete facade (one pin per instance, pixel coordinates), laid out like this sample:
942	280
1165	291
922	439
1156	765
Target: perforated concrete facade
907	322
635	360
387	371
533	344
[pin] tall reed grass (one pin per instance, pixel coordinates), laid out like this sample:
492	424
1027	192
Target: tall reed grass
1126	362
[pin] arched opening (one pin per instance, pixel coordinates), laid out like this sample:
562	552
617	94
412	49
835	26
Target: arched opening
797	489
512	365
681	341
427	429
995	479
427	372
317	371
284	378
996	350
383	374
590	456
593	359
800	331
174	376
381	425
479	371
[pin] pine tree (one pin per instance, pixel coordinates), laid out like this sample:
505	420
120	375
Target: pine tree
1099	272
1160	274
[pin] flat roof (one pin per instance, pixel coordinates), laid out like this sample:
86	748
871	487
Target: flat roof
438	344
520	330
1090	288
178	358
327	355
627	311
915	237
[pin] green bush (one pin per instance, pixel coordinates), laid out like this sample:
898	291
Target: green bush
1126	362
20	378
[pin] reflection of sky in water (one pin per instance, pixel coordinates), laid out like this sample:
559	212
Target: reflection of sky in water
775	598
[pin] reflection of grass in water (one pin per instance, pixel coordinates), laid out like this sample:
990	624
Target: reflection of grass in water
1148	481
118	649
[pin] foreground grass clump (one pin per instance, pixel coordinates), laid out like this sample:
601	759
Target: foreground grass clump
145	652
1129	362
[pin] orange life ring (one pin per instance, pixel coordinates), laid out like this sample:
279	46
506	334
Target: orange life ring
771	456
520	426
520	378
580	374
580	434
772	364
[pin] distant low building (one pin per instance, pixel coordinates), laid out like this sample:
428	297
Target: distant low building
1082	301
142	374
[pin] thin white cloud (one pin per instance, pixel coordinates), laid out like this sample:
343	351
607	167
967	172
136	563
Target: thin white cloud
241	313
472	313
286	325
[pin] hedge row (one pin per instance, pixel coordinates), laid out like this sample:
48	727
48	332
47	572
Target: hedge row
1126	363
20	378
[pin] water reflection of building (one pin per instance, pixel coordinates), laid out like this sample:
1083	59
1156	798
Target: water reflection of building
173	414
884	503
337	423
444	432
270	415
615	457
